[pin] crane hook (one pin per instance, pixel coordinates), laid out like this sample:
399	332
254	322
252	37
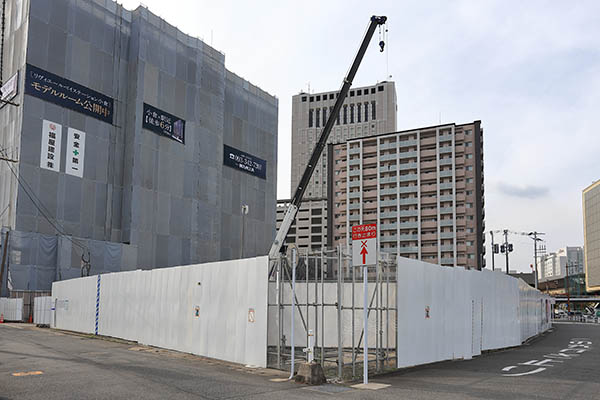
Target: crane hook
381	46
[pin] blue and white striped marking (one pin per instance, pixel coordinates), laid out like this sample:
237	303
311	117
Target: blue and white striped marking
97	303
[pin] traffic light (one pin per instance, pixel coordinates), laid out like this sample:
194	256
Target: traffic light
510	247
496	249
503	249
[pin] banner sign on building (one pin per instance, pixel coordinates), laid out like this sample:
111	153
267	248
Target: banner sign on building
237	159
51	140
163	123
68	94
9	90
75	152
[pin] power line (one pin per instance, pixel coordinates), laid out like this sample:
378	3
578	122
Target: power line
22	182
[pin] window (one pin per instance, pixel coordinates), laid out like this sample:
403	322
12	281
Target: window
318	98
337	119
303	99
352	93
366	112
468	144
318	118
469	205
312	98
380	89
358	112
469	180
359	92
324	116
345	120
471	256
469	156
331	96
373	114
372	90
467	132
469	168
310	118
351	113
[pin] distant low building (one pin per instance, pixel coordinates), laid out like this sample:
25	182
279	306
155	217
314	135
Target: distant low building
554	265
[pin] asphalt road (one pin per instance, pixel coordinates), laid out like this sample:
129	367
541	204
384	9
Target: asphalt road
44	364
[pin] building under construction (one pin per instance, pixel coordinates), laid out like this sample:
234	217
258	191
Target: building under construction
128	144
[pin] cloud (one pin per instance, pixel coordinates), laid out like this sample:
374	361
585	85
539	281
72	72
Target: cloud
525	192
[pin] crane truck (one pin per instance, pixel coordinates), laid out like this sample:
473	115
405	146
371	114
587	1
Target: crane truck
294	205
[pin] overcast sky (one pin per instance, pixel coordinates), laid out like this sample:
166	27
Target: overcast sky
529	70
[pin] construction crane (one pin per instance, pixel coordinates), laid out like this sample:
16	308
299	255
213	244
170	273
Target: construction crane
294	205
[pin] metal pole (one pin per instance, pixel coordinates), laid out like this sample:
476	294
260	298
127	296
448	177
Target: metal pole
366	327
307	270
492	235
293	309
4	249
278	294
377	319
387	312
339	312
568	291
506	248
323	307
353	325
535	258
318	261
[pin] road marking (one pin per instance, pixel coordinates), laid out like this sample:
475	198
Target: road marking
371	386
576	347
27	373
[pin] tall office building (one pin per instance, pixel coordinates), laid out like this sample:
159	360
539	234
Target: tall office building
591	233
366	111
423	188
131	141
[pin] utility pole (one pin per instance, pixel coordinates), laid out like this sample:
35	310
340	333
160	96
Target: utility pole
494	248
535	257
505	249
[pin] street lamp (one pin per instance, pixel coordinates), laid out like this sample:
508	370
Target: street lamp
244	213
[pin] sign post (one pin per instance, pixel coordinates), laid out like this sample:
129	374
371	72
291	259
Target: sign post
364	253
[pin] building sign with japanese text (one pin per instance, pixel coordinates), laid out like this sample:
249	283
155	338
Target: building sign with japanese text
163	123
68	94
237	159
75	152
51	140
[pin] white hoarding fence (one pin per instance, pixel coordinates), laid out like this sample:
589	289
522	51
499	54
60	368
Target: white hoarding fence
42	310
216	310
11	309
451	313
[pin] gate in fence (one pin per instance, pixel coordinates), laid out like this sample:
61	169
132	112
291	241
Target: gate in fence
322	304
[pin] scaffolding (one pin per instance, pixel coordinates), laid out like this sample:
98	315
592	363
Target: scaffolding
328	305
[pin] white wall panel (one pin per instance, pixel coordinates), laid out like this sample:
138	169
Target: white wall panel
157	307
469	312
42	310
11	309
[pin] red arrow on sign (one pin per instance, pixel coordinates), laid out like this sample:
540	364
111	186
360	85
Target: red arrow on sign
364	253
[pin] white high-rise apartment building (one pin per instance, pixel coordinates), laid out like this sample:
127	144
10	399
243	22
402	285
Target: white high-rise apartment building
366	111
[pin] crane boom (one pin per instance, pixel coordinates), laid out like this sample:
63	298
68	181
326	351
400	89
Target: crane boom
294	205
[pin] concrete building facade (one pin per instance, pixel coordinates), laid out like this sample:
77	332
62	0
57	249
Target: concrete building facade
591	233
554	265
309	230
424	189
366	111
174	144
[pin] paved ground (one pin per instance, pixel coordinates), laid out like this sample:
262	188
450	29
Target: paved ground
75	367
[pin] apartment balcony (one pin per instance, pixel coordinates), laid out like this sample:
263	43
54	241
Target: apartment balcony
408	250
428	200
407	154
429	236
405	166
428	153
408	213
428	164
429	212
355	151
407	178
447	222
446	235
428	224
412	200
408	237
